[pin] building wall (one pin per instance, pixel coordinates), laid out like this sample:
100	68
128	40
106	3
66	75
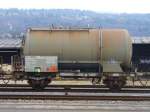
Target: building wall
141	56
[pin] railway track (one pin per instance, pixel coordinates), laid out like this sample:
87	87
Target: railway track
74	92
113	97
73	88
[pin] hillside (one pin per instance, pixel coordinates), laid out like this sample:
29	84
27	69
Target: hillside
14	22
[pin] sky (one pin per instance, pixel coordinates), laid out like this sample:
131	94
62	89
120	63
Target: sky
108	6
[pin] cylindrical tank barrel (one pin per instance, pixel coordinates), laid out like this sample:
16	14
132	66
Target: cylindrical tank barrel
82	46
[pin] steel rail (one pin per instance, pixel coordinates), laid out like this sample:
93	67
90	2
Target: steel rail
69	86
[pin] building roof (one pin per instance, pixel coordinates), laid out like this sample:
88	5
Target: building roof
139	40
10	42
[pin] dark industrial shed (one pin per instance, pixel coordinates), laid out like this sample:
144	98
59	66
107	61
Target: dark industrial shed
9	48
141	54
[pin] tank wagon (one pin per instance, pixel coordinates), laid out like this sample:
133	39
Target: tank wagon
106	52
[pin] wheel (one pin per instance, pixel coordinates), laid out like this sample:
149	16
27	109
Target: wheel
114	86
115	83
38	84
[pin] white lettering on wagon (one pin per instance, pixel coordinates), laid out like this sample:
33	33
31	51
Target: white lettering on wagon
145	61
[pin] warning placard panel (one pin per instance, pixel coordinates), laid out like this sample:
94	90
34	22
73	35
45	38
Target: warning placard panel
41	64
